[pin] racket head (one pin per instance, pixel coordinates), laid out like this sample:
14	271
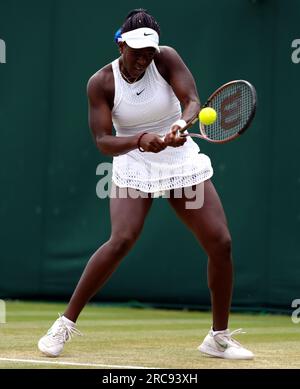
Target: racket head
235	104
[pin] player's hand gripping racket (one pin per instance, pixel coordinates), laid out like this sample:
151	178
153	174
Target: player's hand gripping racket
235	104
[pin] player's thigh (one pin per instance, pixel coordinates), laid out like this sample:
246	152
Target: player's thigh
128	210
207	222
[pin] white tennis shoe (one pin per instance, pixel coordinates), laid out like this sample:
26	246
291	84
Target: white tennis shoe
221	344
61	331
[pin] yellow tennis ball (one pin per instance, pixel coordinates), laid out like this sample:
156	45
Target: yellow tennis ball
207	115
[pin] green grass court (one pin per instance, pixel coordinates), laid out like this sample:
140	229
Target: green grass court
116	336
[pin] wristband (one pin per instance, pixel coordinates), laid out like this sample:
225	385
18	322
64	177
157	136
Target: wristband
180	122
139	141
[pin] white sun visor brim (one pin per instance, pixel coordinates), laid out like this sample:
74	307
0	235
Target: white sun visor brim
141	38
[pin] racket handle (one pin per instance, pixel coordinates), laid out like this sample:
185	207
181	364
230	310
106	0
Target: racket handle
189	124
193	135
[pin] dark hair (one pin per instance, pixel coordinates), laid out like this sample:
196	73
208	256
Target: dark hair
138	18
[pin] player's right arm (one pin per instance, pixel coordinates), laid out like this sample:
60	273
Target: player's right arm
100	91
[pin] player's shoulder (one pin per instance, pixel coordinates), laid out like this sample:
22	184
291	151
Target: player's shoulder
167	53
167	61
102	81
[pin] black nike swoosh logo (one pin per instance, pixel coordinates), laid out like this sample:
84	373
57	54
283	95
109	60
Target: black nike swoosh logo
138	93
147	34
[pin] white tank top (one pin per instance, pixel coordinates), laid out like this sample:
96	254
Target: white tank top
150	105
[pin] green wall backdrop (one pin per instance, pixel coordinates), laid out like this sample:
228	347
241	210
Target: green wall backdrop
51	218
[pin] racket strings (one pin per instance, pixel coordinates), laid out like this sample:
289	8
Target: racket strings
234	105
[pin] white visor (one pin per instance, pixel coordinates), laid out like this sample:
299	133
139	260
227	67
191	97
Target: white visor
140	38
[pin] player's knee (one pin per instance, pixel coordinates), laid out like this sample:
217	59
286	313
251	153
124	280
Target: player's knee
122	243
222	246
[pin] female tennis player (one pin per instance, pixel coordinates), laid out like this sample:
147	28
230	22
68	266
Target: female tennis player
140	94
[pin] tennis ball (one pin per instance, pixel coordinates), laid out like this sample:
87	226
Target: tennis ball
207	115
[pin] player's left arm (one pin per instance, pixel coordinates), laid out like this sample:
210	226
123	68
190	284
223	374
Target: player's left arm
182	82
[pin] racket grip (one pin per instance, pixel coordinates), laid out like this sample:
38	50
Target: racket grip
189	124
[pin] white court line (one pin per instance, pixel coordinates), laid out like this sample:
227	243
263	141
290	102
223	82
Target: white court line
39	361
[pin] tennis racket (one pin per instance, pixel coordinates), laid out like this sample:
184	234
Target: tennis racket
235	104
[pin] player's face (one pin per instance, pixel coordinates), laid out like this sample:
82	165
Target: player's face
135	61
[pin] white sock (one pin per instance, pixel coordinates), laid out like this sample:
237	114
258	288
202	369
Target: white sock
218	332
68	321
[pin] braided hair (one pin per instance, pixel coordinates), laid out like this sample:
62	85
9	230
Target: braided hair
137	18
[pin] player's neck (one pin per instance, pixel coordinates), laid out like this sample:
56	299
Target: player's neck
126	76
